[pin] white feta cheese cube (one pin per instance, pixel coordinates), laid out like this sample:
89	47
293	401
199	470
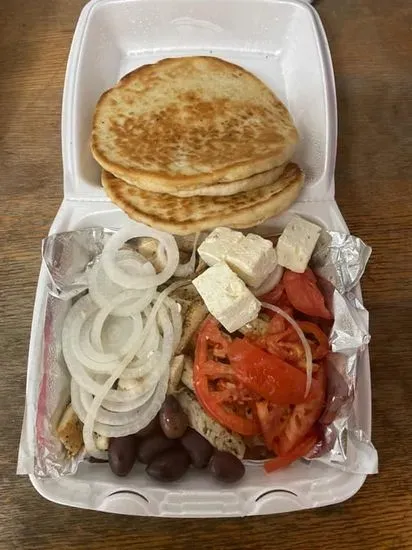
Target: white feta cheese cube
227	297
216	246
253	258
296	244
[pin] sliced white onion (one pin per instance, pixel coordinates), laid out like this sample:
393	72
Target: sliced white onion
77	328
120	276
80	373
117	338
270	282
184	270
105	390
103	314
151	408
152	341
141	366
168	336
72	351
119	333
111	418
95	361
83	313
123	331
144	415
91	384
85	380
175	310
305	343
102	289
124	406
141	371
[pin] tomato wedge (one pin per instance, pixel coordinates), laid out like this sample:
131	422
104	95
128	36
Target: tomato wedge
301	449
267	375
304	417
215	385
304	294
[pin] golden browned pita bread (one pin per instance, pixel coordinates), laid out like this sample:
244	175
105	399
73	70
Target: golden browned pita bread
233	187
190	121
185	215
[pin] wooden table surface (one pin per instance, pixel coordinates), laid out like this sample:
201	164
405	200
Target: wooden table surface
371	44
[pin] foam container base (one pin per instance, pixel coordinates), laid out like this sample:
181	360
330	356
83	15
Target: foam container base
282	42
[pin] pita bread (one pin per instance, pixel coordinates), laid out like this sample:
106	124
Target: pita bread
190	121
183	216
234	187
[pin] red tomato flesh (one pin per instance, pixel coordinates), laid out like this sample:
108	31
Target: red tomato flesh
213	383
304	294
304	416
301	449
272	419
267	375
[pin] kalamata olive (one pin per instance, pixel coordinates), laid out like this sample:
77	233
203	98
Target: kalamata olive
151	428
169	465
199	448
226	467
152	445
173	420
122	454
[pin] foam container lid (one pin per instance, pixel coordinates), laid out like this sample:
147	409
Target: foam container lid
282	42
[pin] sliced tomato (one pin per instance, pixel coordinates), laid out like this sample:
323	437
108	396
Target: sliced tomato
288	346
267	375
272	419
277	324
274	295
215	370
291	352
304	294
222	399
304	447
277	297
227	391
304	416
217	340
320	348
324	324
285	344
287	335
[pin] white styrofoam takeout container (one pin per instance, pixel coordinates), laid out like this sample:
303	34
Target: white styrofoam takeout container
283	43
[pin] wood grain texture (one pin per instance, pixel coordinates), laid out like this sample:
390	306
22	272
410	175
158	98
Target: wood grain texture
371	44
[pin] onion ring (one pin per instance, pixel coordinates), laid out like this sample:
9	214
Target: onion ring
120	276
105	390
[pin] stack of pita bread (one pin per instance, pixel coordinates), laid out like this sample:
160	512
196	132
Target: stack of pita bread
191	143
